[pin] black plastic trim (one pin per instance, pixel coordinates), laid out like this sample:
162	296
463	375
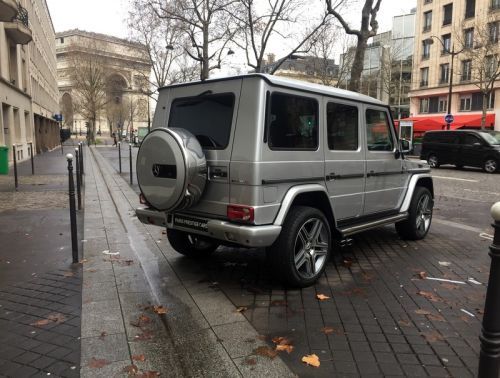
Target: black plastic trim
284	181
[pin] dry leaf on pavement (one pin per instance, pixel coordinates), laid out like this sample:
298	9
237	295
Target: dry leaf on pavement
138	357
347	262
103	335
96	363
311	359
284	347
159	310
328	330
437	318
432	336
422	275
322	297
52	318
131	370
421	311
283	344
241	309
429	295
265	351
141	321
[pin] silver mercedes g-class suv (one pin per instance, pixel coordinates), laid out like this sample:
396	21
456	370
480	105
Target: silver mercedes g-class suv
263	161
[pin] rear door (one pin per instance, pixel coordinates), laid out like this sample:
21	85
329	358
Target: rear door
344	158
209	111
472	150
385	179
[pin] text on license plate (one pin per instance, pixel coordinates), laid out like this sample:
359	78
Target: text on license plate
194	223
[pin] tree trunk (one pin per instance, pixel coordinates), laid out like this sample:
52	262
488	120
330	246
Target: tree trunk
357	65
485	108
205	63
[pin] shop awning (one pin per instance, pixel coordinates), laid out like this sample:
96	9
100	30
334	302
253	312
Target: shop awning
426	123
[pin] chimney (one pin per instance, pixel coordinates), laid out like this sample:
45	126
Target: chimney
271	58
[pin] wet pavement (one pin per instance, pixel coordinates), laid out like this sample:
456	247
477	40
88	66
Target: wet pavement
386	314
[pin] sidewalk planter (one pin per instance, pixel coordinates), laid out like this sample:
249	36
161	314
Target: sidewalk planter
4	160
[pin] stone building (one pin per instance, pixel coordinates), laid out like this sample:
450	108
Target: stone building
28	84
125	69
452	40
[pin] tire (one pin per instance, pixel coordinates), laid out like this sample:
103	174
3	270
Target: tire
191	245
419	219
433	161
490	165
300	231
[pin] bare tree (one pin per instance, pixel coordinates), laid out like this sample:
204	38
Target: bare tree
162	40
368	29
346	59
206	26
480	57
322	50
88	75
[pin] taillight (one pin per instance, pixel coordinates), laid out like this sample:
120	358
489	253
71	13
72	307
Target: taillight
240	213
142	199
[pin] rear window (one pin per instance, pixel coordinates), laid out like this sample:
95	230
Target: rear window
208	117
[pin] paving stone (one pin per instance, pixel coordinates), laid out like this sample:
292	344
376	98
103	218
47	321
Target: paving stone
112	348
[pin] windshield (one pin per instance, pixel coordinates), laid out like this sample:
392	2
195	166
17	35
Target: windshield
492	137
208	117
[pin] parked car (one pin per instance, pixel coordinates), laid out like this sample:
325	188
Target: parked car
473	148
264	161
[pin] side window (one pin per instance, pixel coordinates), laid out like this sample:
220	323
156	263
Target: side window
471	139
342	126
378	132
293	122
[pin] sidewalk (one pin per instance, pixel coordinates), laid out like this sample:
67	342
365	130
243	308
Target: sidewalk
40	290
141	315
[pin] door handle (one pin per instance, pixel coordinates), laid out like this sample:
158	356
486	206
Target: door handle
330	176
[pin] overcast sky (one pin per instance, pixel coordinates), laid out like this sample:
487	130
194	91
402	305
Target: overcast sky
108	16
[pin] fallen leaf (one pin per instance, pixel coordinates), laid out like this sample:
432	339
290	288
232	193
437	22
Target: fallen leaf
103	335
250	361
432	336
265	351
138	357
241	309
449	286
430	296
422	275
82	261
322	297
404	322
437	318
480	311
141	321
311	359
145	335
422	312
131	369
126	262
160	310
329	330
96	363
347	262
465	318
280	340
69	274
52	318
284	347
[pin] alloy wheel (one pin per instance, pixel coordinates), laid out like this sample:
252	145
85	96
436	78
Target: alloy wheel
490	165
433	161
424	213
311	248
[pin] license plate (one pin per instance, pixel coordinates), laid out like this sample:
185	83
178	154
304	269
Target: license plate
188	222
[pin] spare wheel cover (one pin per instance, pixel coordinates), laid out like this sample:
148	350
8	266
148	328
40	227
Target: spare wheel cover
171	169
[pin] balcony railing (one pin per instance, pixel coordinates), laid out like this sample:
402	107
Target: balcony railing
22	16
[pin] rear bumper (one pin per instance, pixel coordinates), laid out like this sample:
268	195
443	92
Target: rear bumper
248	236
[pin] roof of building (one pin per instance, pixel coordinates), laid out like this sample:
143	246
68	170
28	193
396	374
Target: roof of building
104	37
280	81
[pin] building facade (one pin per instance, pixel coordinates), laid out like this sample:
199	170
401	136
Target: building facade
457	46
125	70
28	83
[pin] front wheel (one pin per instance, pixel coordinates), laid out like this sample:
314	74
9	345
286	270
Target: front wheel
433	161
490	165
191	245
420	216
302	250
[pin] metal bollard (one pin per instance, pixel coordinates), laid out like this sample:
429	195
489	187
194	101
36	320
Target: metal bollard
120	156
80	145
72	209
489	357
32	159
62	148
130	161
78	179
16	182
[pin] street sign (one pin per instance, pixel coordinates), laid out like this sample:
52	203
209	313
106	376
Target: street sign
448	118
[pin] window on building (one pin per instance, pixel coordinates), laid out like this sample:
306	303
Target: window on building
426	48
469	38
466	70
495	4
428	20
477	101
446	44
61	39
293	122
491	65
465	102
447	14
427	1
342	126
433	104
424	105
378	131
494	29
442	105
470	8
424	77
444	76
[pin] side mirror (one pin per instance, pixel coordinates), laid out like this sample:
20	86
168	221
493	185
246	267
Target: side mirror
404	146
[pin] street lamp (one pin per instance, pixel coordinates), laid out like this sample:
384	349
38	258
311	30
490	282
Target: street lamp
452	53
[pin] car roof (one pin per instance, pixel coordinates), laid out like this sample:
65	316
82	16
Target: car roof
284	82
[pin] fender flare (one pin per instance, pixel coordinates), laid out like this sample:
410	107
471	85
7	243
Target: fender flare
290	196
411	188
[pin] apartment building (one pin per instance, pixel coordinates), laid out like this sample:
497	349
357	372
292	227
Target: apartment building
28	85
457	46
